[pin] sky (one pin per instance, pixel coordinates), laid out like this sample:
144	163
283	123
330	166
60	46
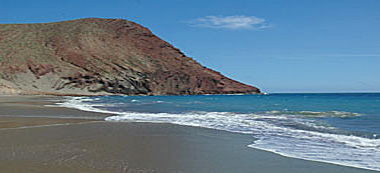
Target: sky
276	45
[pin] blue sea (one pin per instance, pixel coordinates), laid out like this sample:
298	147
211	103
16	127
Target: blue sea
342	129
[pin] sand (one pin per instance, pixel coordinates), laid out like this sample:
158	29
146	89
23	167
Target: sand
36	138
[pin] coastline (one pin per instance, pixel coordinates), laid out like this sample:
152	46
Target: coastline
69	140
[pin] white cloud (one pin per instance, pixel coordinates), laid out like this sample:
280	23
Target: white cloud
230	22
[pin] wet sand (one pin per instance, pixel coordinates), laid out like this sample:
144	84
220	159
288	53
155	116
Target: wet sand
82	142
9	122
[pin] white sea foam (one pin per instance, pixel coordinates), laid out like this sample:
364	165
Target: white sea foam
270	131
78	103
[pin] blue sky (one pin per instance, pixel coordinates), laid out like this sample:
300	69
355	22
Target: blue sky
277	45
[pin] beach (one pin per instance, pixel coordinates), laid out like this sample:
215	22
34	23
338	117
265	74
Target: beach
39	138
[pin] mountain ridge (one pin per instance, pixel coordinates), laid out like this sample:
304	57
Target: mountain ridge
95	56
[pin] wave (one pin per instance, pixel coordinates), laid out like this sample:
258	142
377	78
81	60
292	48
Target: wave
313	114
282	132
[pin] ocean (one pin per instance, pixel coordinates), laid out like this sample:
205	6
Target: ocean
341	128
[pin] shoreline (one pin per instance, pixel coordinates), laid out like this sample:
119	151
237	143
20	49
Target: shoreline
221	151
318	161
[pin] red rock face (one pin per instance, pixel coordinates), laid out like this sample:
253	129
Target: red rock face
100	56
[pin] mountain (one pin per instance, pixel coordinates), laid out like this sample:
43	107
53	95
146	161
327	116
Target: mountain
95	56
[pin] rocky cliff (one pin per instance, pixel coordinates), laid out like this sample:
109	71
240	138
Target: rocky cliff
101	56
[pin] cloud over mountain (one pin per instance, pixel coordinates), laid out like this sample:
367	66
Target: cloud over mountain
230	22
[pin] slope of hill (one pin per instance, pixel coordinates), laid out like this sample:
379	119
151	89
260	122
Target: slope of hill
101	56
